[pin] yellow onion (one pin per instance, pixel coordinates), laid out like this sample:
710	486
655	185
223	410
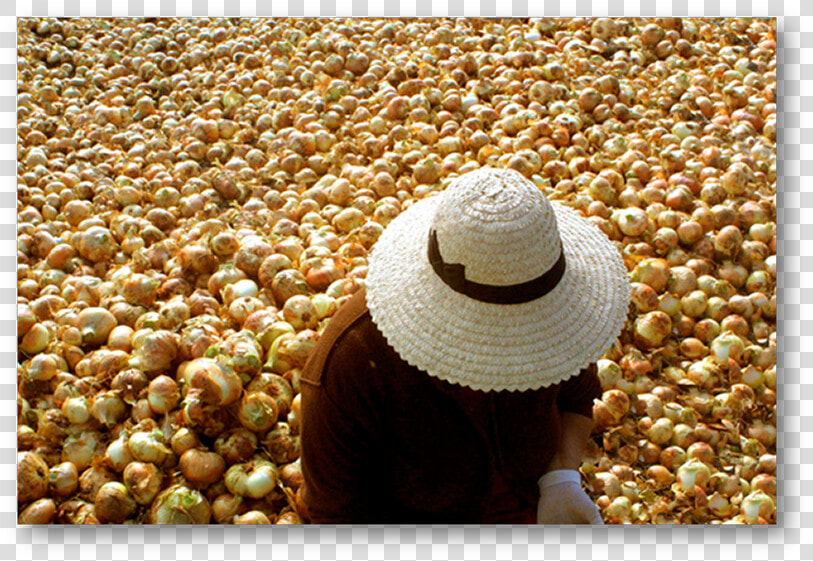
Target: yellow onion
693	472
148	447
281	444
108	408
289	517
128	384
143	481
118	454
215	382
81	449
120	338
95	325
258	412
757	505
291	474
726	346
113	503
236	445
277	387
208	420
719	505
184	439
252	517
163	394
294	415
180	505
244	352
201	467
609	373
661	431
226	507
255	479
77	409
36	339
45	366
156	351
32	477
63	479
243	288
41	511
652	329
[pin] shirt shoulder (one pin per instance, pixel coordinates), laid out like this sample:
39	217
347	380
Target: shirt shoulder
344	324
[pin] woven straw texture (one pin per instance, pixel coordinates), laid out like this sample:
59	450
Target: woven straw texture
499	226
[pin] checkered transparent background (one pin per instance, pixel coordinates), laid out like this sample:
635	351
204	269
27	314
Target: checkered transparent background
795	454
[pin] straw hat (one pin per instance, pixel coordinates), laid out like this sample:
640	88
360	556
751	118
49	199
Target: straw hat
491	286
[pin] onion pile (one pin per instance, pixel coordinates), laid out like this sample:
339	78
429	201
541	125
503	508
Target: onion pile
197	197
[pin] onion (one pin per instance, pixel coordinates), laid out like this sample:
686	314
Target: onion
108	408
82	449
180	505
184	439
660	475
652	328
148	447
289	517
113	503
300	312
661	431
240	289
163	394
95	324
726	345
156	351
277	387
129	384
143	481
214	381
201	467
118	454
32	477
226	507
76	409
292	476
694	472
237	445
63	479
244	352
252	517
36	339
757	505
258	412
41	511
281	444
255	479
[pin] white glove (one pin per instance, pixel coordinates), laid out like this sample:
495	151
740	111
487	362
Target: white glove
563	501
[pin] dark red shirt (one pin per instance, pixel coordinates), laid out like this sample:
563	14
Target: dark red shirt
385	443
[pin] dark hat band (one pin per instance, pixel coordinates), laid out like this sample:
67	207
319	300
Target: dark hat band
454	276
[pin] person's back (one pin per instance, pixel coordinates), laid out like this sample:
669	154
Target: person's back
425	450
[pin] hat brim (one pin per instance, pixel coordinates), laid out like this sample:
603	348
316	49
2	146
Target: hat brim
495	347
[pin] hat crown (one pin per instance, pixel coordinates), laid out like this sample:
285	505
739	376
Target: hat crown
499	226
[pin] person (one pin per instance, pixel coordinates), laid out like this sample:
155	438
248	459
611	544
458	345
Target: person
457	385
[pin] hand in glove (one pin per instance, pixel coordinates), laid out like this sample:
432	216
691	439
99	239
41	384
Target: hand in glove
563	501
